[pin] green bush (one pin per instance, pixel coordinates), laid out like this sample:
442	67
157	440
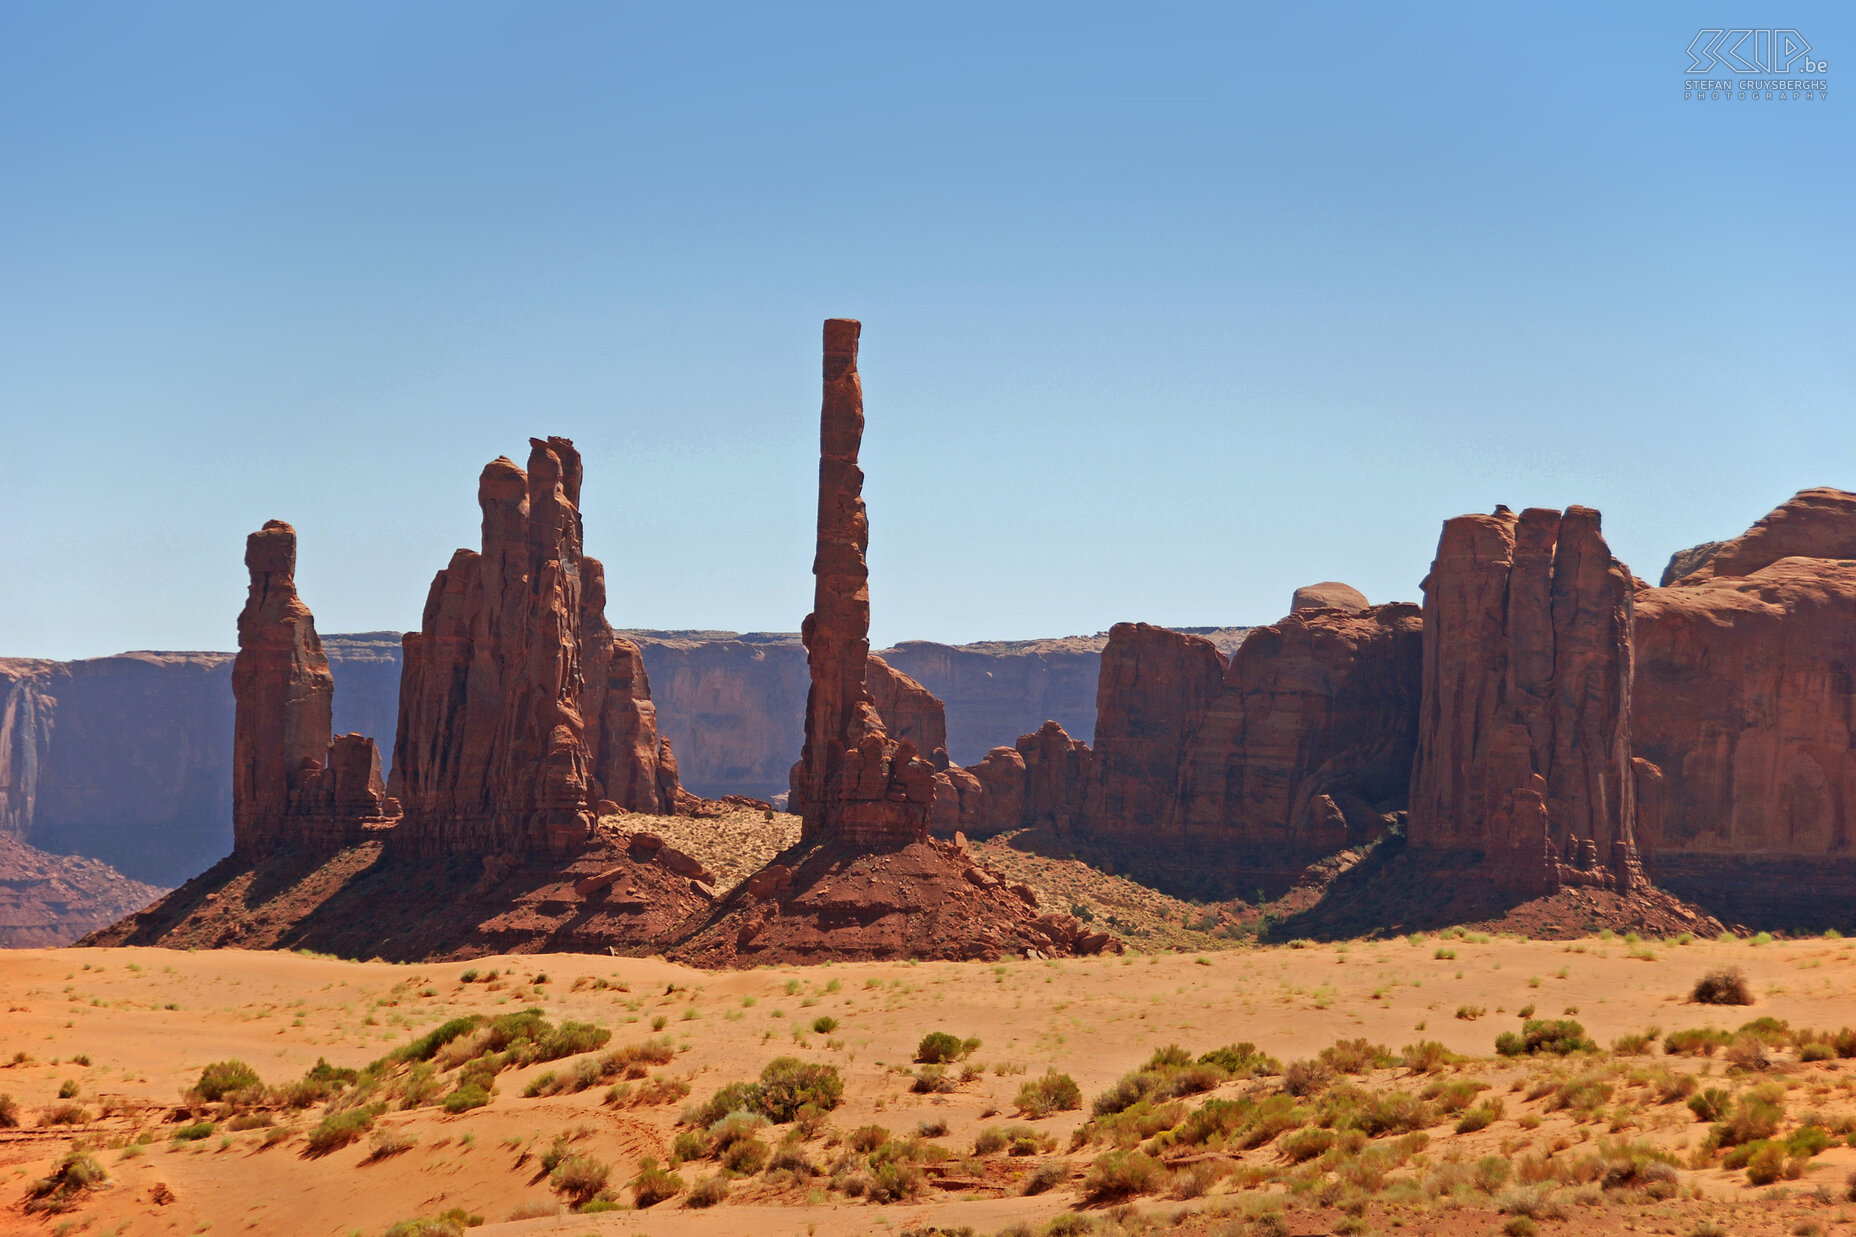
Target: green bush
1054	1092
1241	1060
939	1048
468	1095
1123	1174
338	1129
426	1046
653	1184
788	1084
1356	1056
195	1132
221	1078
77	1172
578	1178
1709	1105
708	1192
1560	1036
1696	1042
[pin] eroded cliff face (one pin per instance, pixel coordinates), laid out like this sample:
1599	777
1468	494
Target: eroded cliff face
998	689
1307	747
1745	719
519	708
1524	729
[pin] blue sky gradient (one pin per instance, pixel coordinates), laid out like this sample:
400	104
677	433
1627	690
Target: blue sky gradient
1167	309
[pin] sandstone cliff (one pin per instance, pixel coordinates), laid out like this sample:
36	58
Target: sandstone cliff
519	708
294	784
1745	721
1524	730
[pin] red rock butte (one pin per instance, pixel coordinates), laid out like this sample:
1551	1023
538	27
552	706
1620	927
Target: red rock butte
520	710
294	785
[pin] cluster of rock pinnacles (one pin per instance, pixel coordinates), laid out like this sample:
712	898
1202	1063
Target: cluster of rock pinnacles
1544	713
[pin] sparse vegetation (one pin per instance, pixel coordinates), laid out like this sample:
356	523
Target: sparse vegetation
1726	986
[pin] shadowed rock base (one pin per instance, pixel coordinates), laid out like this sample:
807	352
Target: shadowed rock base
823	902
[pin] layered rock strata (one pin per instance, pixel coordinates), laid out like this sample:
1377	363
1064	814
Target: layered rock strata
520	710
293	785
1307	747
1745	719
1524	730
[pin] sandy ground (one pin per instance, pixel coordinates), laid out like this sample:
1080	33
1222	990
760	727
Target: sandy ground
132	1028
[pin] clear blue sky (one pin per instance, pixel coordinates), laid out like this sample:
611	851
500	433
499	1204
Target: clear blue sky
1167	309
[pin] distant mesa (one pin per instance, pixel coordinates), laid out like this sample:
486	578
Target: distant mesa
1329	595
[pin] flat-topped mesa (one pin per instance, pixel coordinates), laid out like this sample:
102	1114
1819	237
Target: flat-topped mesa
1524	723
854	783
293	786
1745	752
519	708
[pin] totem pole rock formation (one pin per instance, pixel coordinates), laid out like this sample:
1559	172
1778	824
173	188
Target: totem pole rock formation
1744	729
854	783
293	785
519	708
1524	729
1307	748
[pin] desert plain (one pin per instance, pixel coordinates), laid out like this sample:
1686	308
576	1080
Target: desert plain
1413	1122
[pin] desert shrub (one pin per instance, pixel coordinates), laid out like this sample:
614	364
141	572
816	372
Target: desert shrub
867	1138
1635	1045
1143	1120
1709	1105
708	1192
1756	1115
1725	986
9	1113
1054	1092
1356	1056
1242	1060
1211	1123
933	1080
989	1141
1770	1031
1479	1117
1748	1052
1581	1095
1767	1163
790	1158
338	1129
1123	1174
1491	1173
1305	1078
787	1084
734	1097
570	1039
579	1177
426	1046
1560	1036
1306	1144
894	1180
1697	1042
653	1184
631	1060
744	1155
77	1172
931	1127
1455	1094
1157	1081
384	1143
1426	1056
468	1095
63	1114
1375	1113
1046	1176
452	1223
221	1078
194	1132
939	1048
824	1024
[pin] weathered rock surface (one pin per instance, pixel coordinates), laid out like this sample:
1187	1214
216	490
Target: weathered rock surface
1524	728
909	710
1307	748
854	783
50	900
293	784
1684	561
519	708
1745	721
1328	595
1156	687
1818	523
